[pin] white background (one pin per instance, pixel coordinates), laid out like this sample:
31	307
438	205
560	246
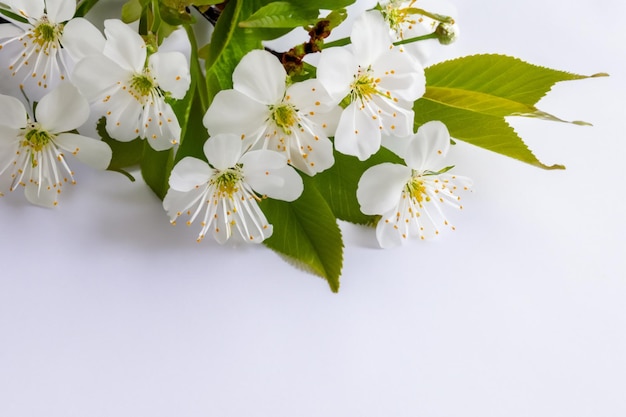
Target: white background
107	310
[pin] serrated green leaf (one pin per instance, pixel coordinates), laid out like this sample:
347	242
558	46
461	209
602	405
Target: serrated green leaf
307	234
338	184
473	94
489	132
280	15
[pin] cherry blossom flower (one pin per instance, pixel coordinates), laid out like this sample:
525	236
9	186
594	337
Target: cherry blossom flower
269	113
379	83
41	53
410	198
406	22
131	91
225	192
33	151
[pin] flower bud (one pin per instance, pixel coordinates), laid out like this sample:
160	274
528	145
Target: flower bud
447	33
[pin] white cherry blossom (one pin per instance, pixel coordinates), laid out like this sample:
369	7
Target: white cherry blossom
377	81
33	151
269	113
410	198
130	90
39	54
225	192
406	22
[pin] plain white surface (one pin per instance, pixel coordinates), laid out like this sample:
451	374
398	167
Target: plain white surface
107	310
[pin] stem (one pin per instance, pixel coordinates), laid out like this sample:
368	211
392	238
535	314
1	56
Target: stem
438	17
156	22
338	42
417	39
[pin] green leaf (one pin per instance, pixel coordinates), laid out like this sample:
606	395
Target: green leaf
280	14
307	234
156	167
125	154
472	95
232	43
194	133
489	132
338	184
324	4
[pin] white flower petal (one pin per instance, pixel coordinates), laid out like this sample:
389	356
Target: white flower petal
124	45
177	41
171	71
310	96
96	75
250	221
380	187
397	117
428	147
234	112
160	126
81	38
123	118
370	37
92	152
357	133
267	173
62	109
59	11
400	73
189	173
13	113
336	70
223	151
177	202
27	8
387	233
41	196
260	76
396	144
8	30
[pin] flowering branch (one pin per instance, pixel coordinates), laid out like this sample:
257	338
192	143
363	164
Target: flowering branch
251	144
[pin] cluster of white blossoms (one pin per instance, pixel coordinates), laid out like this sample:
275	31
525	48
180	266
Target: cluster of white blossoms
363	93
49	57
264	133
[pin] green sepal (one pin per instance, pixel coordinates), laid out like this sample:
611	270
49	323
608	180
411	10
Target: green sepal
306	234
338	184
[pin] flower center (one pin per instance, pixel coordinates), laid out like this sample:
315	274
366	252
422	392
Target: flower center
36	138
141	85
416	188
285	116
397	16
227	181
46	32
364	86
